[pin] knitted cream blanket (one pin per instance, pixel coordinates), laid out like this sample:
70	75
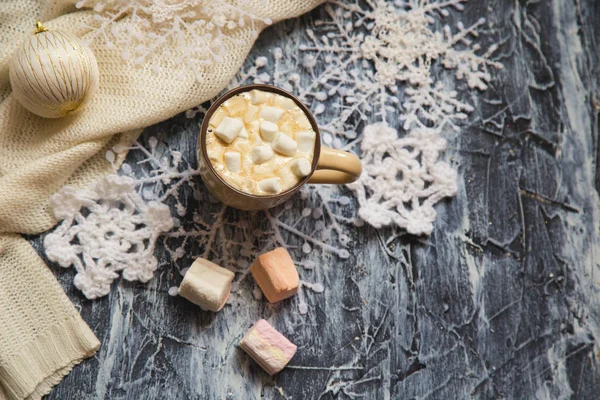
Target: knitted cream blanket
42	335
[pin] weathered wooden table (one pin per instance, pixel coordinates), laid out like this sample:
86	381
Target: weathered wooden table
502	301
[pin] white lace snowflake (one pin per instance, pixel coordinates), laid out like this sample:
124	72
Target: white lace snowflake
191	33
105	229
369	63
403	177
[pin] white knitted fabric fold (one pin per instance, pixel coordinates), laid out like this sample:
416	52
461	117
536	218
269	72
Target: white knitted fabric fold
42	336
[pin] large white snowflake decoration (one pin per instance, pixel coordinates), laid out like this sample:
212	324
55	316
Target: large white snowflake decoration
403	178
105	229
190	33
358	64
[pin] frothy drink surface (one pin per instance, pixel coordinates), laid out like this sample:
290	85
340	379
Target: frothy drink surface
260	142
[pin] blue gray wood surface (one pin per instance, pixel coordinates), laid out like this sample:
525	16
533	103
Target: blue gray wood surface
502	301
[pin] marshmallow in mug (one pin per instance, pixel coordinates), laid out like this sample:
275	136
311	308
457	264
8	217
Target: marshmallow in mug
261	142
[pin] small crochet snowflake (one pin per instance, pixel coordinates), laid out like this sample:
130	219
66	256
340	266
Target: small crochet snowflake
106	229
403	178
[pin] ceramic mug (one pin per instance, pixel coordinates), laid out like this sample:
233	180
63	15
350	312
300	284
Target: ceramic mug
328	166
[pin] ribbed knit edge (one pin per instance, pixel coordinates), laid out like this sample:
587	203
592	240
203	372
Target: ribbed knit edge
37	366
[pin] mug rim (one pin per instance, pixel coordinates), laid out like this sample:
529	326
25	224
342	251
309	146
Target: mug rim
268	88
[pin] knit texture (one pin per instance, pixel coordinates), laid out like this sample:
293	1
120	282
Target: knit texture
42	336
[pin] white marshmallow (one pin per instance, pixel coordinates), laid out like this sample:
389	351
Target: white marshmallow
302	120
217	117
272	114
253	127
287	177
258	97
243	134
261	154
285	102
300	167
236	105
233	160
306	140
250	114
229	129
262	170
242	145
268	130
207	285
288	128
270	185
285	145
215	153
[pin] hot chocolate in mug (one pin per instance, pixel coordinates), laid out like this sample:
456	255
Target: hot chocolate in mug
329	166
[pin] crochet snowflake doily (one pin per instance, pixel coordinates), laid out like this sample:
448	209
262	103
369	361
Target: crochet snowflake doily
402	178
114	230
365	70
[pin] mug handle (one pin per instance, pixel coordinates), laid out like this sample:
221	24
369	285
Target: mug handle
337	167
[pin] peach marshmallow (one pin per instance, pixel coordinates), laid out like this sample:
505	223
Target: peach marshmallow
276	275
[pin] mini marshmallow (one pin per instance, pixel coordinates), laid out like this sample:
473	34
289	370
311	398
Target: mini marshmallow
217	117
287	176
215	153
243	134
235	106
233	160
269	348
285	145
272	114
229	129
254	127
248	185
207	285
262	170
306	140
285	102
243	146
276	275
250	114
288	128
261	154
258	97
302	120
300	167
268	130
270	185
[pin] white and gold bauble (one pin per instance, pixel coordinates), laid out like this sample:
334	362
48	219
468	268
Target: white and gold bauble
53	73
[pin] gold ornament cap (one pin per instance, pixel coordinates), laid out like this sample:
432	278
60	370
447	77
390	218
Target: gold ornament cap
39	27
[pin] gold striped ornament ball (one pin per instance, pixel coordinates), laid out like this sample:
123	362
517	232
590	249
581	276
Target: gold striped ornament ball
53	73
